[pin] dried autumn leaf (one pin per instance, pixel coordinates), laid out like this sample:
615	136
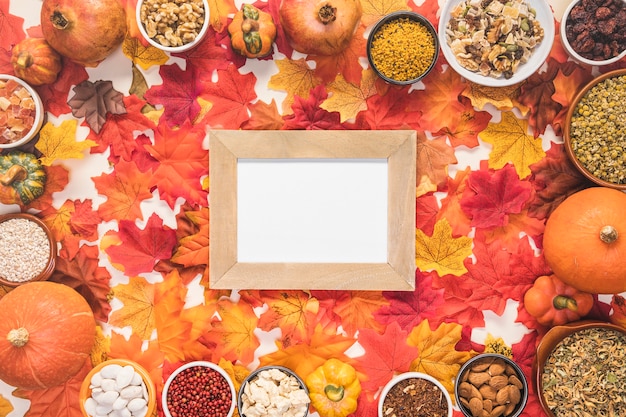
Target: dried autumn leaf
137	311
512	144
347	98
442	252
536	93
60	142
499	97
437	355
94	101
295	77
144	56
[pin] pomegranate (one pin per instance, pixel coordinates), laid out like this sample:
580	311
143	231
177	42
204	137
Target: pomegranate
85	31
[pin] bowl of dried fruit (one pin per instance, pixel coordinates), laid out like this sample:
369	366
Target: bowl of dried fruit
493	383
580	369
496	44
594	131
28	250
21	112
411	393
117	387
273	390
173	25
198	388
592	32
402	47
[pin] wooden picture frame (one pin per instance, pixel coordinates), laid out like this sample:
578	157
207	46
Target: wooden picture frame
398	147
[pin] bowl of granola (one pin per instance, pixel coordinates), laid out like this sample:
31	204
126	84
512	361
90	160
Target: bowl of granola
173	26
496	43
579	369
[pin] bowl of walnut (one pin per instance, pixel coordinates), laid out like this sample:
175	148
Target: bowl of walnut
493	383
173	26
593	31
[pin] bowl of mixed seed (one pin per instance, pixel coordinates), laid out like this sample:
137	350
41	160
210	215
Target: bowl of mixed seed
594	131
580	370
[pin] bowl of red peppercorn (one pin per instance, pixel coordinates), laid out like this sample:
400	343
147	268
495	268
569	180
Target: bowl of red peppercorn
21	112
593	32
199	388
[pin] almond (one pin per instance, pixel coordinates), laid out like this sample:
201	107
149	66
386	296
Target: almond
481	365
467	390
497	411
514	380
514	394
498	382
497	368
478	378
487	392
502	396
487	405
509	409
476	407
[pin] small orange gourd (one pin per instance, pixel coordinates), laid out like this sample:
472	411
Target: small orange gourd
47	332
35	62
252	32
584	241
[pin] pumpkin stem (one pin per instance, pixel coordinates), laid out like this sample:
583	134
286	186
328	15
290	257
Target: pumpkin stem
334	392
24	59
18	337
608	234
561	302
59	21
327	14
15	173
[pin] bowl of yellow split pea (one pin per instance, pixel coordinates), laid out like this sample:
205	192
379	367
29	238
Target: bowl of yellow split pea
402	47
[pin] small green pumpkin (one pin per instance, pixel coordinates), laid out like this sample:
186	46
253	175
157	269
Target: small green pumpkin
22	178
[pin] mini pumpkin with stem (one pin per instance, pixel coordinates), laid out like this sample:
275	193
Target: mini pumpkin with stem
252	32
22	178
584	241
334	388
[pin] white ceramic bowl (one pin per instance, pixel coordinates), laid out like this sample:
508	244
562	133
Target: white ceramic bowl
538	57
173	49
205	364
572	53
408	375
39	114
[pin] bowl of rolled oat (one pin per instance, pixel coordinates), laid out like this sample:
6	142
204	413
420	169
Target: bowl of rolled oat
27	249
496	43
173	25
402	47
580	370
594	131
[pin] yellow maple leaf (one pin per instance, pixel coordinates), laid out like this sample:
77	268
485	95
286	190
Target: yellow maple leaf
512	144
373	10
60	142
138	310
437	355
143	56
102	347
349	99
499	97
442	252
219	10
234	335
5	407
296	78
237	372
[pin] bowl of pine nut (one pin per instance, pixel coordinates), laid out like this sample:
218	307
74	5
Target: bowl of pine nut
28	250
173	26
402	47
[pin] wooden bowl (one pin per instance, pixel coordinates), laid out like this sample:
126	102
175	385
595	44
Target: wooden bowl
47	271
550	340
567	131
85	390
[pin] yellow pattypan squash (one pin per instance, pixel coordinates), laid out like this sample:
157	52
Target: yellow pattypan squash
334	388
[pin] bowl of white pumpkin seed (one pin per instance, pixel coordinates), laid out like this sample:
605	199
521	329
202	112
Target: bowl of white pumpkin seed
580	370
594	131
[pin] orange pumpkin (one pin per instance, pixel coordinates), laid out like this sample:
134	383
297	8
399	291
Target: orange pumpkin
47	332
584	241
35	62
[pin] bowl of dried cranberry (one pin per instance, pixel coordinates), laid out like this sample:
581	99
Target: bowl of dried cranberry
199	388
593	32
21	112
414	393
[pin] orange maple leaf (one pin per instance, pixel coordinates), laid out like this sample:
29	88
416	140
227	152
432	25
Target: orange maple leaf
150	357
218	13
138	307
193	249
508	235
296	78
451	207
437	355
263	116
294	312
57	178
566	86
353	310
345	63
433	158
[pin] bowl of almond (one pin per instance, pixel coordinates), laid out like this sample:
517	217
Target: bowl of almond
491	384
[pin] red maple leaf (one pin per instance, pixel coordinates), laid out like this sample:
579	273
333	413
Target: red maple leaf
451	207
208	54
84	221
390	111
10	27
463	127
88	278
57	177
308	115
554	178
141	249
178	93
385	355
492	195
54	96
119	131
230	96
182	163
426	209
409	308
5	62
